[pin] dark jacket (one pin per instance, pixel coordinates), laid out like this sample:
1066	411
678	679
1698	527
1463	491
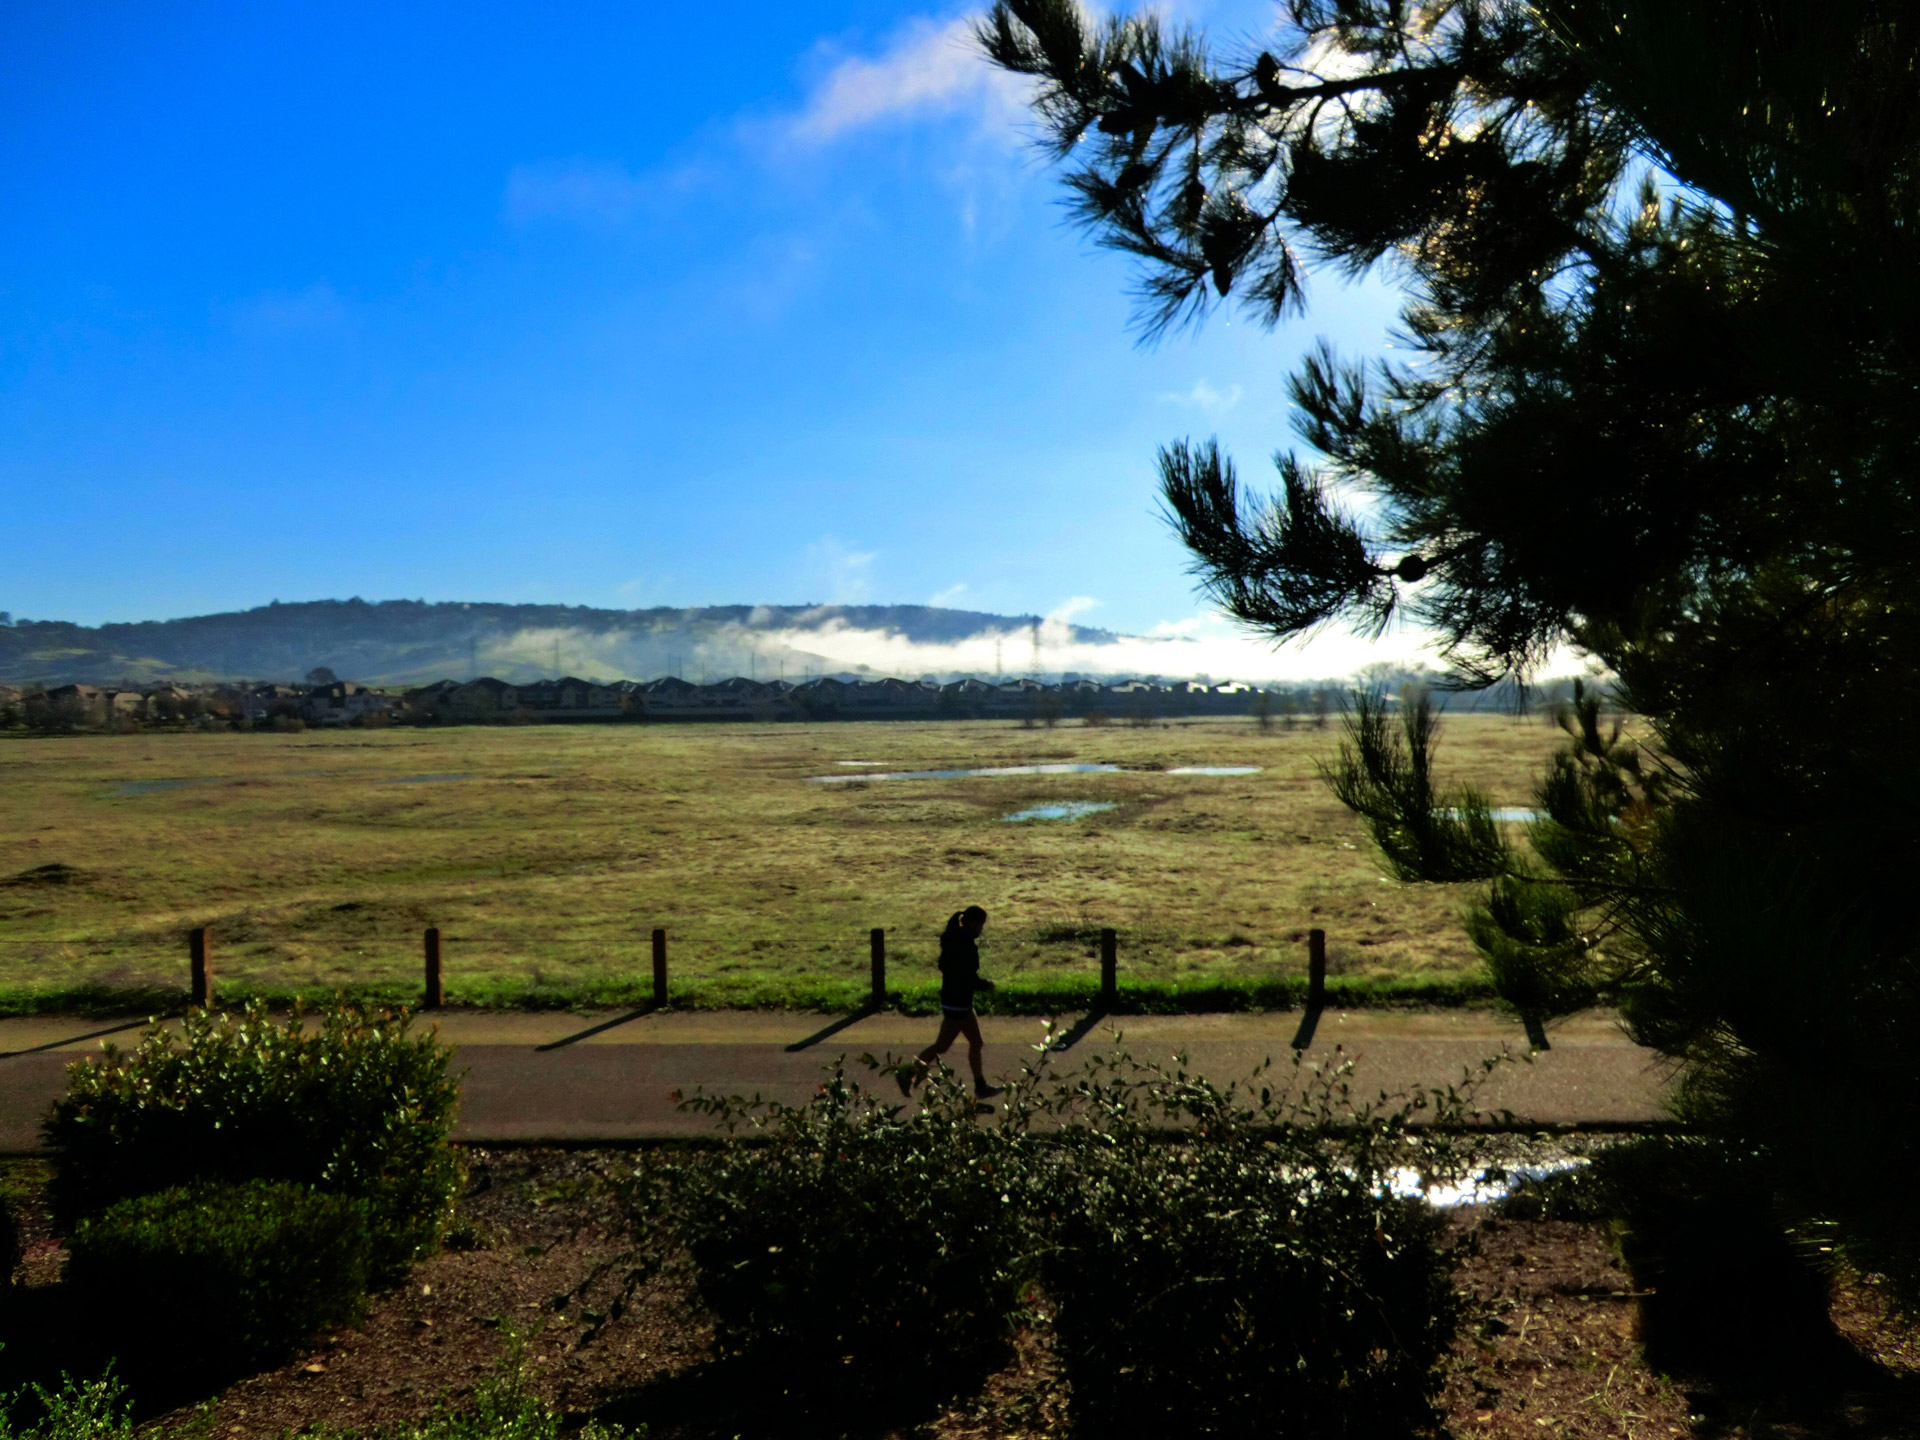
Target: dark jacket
959	971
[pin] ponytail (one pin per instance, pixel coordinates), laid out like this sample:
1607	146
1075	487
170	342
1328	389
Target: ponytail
957	921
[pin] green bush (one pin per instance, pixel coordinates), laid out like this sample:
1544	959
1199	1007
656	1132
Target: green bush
1727	1288
1218	1261
78	1410
357	1106
853	1251
1259	1277
247	1271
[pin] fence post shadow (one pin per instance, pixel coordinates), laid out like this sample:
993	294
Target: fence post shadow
872	1007
1082	1027
76	1039
599	1029
1309	1022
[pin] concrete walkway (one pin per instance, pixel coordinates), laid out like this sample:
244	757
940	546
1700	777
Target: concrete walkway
570	1078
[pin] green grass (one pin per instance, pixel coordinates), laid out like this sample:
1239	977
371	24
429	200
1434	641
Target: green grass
315	872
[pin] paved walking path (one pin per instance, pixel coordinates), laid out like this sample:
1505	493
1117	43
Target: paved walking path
572	1078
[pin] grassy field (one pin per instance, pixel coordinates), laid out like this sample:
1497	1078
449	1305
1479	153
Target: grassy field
546	853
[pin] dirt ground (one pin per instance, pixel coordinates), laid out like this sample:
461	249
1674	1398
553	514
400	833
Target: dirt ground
1548	1348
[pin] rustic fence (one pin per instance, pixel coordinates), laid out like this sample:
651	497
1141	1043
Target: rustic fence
433	992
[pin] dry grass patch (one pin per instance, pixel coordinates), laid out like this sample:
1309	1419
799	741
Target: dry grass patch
544	854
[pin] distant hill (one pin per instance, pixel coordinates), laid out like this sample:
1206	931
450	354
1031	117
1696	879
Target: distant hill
397	642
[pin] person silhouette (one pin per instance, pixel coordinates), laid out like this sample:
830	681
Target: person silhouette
960	977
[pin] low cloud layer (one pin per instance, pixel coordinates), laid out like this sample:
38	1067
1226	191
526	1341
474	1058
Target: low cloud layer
1205	646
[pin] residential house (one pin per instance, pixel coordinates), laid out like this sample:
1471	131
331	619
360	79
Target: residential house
342	703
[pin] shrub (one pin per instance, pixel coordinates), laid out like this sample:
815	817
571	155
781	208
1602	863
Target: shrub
855	1250
78	1410
1259	1277
358	1106
1726	1287
248	1271
1220	1261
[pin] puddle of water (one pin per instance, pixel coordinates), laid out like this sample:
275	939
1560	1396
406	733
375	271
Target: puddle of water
1068	810
964	774
859	762
1482	1189
1214	770
150	787
427	779
1510	815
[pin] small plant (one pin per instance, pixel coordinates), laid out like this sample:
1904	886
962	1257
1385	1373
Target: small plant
248	1271
358	1106
78	1410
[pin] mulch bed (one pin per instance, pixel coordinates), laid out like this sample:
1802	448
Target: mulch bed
1549	1347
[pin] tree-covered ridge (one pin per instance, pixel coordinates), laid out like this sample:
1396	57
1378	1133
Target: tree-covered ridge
411	641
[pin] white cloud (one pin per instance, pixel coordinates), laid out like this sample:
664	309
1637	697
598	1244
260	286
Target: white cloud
600	193
843	573
1205	396
949	595
928	67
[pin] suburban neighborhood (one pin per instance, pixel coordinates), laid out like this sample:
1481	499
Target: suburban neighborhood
331	703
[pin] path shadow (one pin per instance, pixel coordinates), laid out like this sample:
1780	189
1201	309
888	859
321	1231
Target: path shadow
1081	1029
1309	1022
76	1039
835	1028
600	1029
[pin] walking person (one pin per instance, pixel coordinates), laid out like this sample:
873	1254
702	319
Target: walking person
960	977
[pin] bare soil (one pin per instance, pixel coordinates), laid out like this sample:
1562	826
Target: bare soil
534	1271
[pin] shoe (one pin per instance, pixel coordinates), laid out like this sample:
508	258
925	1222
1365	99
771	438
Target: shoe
984	1091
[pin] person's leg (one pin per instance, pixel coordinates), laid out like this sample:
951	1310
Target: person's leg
976	1056
952	1024
976	1047
910	1076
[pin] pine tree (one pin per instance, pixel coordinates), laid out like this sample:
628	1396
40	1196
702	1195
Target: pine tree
1658	406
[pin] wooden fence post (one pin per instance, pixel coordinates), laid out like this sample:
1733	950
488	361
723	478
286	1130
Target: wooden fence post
1109	967
877	949
660	969
1316	969
202	981
433	968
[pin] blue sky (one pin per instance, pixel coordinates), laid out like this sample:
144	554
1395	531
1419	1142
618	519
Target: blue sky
605	304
